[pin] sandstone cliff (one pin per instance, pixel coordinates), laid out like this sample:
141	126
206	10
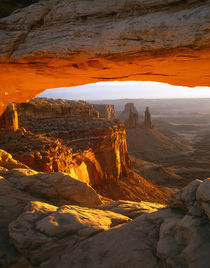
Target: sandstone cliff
105	110
129	107
69	136
73	139
64	43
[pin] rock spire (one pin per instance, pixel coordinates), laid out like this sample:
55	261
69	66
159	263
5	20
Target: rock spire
147	119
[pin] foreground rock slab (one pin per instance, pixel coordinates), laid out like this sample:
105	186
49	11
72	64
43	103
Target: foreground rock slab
57	187
44	229
37	231
131	209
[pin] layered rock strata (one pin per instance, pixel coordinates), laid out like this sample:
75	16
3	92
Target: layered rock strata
70	137
65	43
106	110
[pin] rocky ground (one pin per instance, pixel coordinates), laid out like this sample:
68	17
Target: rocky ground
53	220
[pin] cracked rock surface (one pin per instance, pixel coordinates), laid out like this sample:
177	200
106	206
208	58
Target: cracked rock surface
38	232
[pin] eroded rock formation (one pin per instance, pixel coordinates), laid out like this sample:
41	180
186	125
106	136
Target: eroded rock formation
91	148
132	121
69	136
147	119
106	110
36	232
65	43
9	119
129	107
130	117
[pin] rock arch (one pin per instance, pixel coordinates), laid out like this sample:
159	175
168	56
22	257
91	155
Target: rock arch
49	44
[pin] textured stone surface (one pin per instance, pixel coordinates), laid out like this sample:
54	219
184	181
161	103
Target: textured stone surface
57	187
9	119
8	162
186	197
105	110
44	229
45	235
62	43
131	209
69	136
75	140
203	191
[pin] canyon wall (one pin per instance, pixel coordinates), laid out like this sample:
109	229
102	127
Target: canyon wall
106	110
69	136
49	108
104	163
65	43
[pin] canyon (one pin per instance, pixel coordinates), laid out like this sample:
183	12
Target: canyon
176	148
78	189
68	189
72	137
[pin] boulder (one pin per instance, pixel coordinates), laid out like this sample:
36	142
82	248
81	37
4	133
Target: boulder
203	191
185	198
58	187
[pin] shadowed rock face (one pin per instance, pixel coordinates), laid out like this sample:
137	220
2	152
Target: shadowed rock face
66	43
129	107
147	119
8	6
132	121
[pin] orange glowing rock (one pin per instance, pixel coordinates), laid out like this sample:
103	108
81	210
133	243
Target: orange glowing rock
49	45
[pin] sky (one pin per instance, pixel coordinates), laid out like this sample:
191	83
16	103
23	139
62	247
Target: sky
126	90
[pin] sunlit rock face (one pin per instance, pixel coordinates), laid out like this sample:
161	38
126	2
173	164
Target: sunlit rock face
9	119
65	43
69	136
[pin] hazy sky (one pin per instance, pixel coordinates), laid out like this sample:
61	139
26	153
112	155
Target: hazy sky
126	90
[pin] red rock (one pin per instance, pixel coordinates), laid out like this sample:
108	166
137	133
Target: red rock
9	119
